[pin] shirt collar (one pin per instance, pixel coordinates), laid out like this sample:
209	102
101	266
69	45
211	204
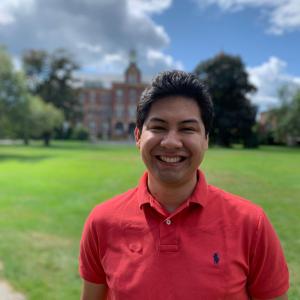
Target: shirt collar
198	196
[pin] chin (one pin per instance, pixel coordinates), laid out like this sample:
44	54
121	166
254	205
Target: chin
170	178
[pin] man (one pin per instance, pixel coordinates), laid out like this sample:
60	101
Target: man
174	236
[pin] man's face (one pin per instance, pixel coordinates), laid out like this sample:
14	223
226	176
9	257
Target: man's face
173	141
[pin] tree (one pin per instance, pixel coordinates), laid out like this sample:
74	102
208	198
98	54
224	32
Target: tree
43	119
21	114
13	98
229	86
286	116
50	76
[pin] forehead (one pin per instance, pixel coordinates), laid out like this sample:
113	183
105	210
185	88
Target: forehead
175	107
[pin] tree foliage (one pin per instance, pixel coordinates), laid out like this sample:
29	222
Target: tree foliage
21	114
50	76
13	97
229	86
287	118
43	118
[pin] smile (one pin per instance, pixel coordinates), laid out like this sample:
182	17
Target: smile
168	159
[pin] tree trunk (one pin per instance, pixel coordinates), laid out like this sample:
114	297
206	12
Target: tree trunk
26	141
47	136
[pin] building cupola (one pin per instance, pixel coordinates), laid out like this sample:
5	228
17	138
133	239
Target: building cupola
132	73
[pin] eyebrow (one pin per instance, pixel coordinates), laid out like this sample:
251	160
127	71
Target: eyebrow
154	119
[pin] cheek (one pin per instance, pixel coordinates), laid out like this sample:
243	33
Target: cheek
148	142
198	149
145	147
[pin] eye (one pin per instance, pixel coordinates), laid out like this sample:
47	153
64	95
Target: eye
188	129
157	128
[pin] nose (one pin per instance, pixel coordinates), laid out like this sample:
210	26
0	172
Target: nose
171	140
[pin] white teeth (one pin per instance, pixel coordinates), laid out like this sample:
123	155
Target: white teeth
170	159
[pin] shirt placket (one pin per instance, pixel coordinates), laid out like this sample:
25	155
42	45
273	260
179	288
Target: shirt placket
168	238
168	227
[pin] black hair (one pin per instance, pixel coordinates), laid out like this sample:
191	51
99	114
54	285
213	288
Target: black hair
176	83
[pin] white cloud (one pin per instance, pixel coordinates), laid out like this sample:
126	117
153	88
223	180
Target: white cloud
285	17
143	7
159	58
268	78
98	33
90	48
238	4
282	15
9	7
156	60
110	58
5	18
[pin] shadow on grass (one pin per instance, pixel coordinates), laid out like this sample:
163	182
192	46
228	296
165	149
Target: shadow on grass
23	158
72	145
280	149
261	148
99	146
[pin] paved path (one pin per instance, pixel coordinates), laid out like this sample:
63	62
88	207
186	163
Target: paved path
7	292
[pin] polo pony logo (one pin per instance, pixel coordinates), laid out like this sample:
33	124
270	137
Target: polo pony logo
216	258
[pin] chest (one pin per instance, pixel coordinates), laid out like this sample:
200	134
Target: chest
169	259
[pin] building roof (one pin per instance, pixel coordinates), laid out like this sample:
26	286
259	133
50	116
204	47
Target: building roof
104	80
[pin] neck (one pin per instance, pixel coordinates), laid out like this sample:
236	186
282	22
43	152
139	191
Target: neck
171	195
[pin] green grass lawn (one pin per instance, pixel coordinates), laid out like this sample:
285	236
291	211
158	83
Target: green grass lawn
46	194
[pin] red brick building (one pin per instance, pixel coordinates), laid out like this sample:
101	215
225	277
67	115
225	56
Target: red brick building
110	113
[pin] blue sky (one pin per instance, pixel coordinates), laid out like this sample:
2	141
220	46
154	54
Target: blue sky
199	33
167	34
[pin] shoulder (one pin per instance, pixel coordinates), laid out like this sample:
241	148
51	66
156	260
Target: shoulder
232	200
105	223
112	208
116	202
236	208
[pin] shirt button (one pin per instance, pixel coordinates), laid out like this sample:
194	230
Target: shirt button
168	222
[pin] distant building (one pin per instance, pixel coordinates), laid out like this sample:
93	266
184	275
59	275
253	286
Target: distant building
267	121
110	112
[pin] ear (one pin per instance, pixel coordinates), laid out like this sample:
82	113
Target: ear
137	136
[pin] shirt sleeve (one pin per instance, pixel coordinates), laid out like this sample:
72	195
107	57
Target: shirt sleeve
269	276
90	267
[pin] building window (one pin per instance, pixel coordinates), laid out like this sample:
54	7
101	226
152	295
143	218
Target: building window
92	125
105	98
105	130
106	111
132	111
132	78
132	96
81	98
119	94
119	111
93	97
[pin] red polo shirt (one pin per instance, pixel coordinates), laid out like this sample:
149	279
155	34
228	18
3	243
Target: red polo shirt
214	246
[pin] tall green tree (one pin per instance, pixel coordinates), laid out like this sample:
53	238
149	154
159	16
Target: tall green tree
43	119
21	114
50	76
13	98
229	86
